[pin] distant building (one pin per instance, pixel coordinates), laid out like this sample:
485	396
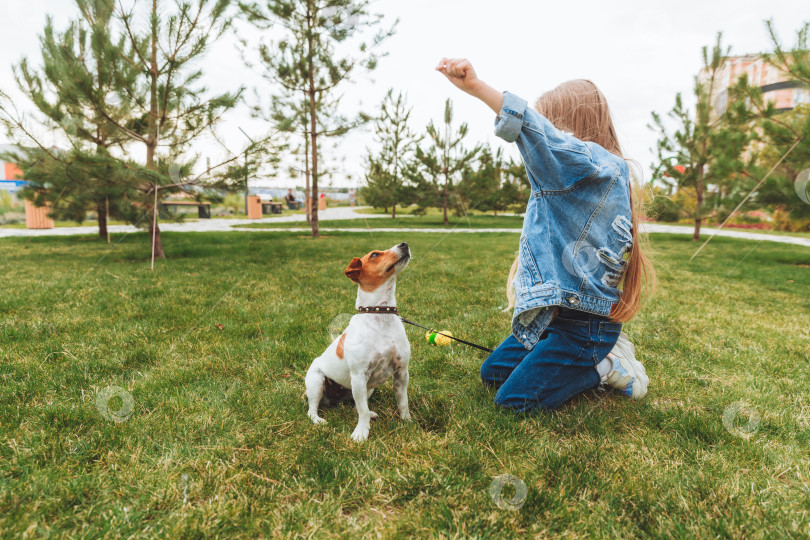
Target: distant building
776	85
10	174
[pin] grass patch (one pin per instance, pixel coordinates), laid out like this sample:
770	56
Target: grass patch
218	443
408	221
798	234
185	215
86	223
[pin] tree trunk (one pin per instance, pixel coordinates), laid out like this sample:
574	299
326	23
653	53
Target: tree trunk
705	120
154	228
396	177
152	139
446	164
307	199
313	127
314	198
497	181
101	213
698	204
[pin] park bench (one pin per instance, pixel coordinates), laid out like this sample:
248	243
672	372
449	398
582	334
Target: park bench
203	208
270	207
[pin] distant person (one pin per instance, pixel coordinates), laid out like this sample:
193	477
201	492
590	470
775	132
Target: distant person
292	202
351	197
580	270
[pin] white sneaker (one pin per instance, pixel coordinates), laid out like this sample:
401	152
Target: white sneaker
626	374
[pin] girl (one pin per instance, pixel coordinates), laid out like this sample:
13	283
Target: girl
580	269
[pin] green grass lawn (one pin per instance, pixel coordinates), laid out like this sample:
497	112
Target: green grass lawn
87	223
186	215
218	443
434	220
473	221
798	234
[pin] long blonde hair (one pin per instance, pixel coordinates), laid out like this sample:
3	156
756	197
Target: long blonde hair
580	108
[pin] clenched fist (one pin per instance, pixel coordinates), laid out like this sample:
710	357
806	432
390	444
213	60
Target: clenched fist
460	72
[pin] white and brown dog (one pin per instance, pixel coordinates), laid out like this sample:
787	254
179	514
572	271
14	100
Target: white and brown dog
372	349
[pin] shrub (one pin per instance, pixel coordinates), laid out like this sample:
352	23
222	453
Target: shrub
663	209
783	222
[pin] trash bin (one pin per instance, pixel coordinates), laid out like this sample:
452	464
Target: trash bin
36	217
322	203
254	204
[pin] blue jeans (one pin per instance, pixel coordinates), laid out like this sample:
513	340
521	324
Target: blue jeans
560	366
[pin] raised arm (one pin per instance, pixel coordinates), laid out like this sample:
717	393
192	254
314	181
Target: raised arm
554	159
460	72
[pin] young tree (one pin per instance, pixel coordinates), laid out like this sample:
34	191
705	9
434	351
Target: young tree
707	146
776	144
79	70
435	169
379	190
174	107
397	143
292	116
495	185
311	60
74	181
787	134
166	106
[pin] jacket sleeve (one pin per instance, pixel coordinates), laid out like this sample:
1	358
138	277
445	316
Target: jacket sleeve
555	160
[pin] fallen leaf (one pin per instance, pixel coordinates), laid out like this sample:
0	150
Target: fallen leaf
219	326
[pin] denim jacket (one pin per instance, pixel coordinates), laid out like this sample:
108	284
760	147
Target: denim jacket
577	229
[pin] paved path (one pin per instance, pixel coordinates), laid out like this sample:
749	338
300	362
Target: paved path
206	225
202	225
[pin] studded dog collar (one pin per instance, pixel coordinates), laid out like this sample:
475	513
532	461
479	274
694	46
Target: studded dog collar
378	309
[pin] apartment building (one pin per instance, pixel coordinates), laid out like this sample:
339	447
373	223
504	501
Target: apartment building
776	85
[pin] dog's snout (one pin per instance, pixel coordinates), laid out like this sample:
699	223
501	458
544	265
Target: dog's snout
404	245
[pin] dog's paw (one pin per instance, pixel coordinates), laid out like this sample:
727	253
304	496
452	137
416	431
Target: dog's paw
406	416
316	419
372	415
360	434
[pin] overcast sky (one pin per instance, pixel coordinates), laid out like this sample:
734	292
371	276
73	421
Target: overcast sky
640	53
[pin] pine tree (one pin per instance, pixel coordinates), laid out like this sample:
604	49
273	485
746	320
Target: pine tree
768	136
495	185
309	62
786	135
292	116
397	142
379	191
79	72
157	86
706	145
437	169
173	107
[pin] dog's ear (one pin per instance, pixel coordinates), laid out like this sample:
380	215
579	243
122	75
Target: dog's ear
354	269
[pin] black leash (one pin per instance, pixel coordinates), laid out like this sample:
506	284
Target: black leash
403	319
379	310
